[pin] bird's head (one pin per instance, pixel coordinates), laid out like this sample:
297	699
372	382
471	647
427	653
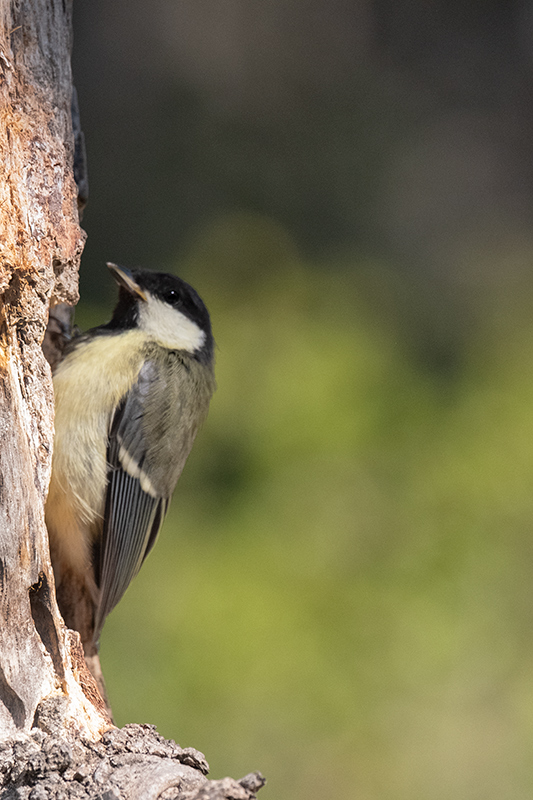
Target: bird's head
165	308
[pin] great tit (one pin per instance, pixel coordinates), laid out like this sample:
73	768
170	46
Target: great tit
130	397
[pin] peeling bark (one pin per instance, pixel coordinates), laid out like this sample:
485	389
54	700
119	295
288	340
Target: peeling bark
40	248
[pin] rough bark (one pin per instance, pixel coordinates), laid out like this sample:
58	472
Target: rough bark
134	762
40	247
56	740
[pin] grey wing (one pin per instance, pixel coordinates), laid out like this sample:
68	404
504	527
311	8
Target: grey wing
134	509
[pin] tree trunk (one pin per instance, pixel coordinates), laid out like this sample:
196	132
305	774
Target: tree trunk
40	247
52	718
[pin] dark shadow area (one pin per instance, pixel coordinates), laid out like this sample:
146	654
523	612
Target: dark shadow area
44	621
12	701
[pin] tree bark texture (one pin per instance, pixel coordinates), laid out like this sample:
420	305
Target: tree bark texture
40	248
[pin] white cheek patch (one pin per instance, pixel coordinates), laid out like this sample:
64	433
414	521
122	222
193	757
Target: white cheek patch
168	326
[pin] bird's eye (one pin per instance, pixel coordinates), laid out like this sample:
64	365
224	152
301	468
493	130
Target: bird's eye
171	296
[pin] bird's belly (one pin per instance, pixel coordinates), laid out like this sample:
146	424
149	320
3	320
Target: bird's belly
88	386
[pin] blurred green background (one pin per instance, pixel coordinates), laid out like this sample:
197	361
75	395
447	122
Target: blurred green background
342	594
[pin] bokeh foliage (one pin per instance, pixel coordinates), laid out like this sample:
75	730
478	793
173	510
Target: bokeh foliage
342	593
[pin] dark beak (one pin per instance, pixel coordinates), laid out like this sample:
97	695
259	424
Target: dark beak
124	277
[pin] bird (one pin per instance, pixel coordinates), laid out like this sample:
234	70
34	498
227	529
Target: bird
130	397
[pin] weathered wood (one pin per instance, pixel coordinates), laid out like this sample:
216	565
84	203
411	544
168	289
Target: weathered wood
40	247
135	762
